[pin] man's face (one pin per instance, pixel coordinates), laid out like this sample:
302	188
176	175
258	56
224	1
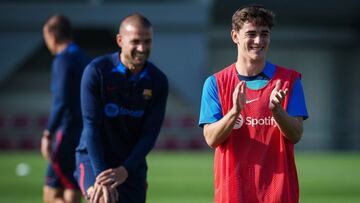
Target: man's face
49	40
135	42
252	40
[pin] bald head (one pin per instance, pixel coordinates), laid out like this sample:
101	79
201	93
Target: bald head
134	20
134	39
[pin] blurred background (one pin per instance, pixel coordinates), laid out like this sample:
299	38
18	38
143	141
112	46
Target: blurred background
319	38
192	40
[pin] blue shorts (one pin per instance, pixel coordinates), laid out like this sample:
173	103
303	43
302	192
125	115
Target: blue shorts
131	190
60	171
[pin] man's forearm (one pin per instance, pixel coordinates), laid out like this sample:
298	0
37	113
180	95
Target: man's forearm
216	133
292	127
95	149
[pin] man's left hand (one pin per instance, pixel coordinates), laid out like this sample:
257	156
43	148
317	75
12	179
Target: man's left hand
277	96
112	176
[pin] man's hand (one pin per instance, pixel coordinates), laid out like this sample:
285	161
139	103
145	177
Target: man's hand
96	193
239	97
217	132
46	145
106	184
277	96
103	194
112	177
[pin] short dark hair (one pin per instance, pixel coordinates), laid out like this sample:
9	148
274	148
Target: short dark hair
256	14
60	27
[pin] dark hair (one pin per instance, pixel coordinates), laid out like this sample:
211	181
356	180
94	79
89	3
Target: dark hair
60	27
256	14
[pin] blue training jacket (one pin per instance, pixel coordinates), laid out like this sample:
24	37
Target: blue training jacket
65	114
122	114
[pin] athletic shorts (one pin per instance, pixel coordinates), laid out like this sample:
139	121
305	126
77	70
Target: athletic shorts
60	171
133	191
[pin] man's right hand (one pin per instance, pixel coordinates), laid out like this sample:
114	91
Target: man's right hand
106	183
103	194
46	145
217	132
239	97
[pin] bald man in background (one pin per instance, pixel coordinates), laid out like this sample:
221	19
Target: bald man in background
123	100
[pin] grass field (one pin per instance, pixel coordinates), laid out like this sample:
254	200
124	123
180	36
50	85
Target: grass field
187	177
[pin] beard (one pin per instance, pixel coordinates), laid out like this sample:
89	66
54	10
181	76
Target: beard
139	58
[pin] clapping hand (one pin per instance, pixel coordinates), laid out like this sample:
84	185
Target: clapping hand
277	96
239	96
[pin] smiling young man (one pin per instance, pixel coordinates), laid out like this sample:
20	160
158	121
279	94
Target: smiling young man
252	114
123	100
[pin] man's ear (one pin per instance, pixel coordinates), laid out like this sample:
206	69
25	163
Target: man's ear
51	37
234	36
118	40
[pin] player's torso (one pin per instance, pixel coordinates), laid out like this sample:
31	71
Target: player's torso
73	64
250	165
124	102
255	132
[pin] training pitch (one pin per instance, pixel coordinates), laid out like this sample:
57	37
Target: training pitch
187	177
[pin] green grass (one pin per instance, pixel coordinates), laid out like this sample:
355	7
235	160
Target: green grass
329	178
176	177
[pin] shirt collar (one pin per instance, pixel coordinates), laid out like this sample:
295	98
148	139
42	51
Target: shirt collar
267	73
72	47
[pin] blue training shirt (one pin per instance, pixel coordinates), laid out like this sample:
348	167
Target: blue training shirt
67	69
122	114
211	112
